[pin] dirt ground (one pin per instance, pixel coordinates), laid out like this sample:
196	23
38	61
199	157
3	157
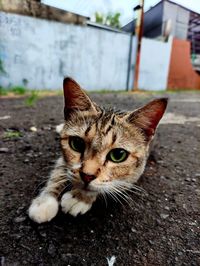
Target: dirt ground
161	228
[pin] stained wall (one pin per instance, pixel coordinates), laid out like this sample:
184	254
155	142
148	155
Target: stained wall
38	53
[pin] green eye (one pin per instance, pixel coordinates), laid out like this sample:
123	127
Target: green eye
117	155
77	144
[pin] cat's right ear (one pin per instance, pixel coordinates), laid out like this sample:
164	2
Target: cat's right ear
75	98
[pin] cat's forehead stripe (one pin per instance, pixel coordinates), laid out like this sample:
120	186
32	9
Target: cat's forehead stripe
87	130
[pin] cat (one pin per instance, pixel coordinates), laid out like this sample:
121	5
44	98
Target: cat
103	152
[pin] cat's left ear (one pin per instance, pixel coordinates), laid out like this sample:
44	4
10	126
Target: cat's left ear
148	117
75	98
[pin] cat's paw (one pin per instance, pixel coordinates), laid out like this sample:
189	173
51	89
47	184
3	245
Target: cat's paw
73	205
43	208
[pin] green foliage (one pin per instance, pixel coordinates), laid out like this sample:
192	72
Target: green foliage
111	19
3	91
99	18
18	90
12	134
32	99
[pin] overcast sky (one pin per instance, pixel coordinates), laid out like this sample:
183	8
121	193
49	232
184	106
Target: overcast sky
125	7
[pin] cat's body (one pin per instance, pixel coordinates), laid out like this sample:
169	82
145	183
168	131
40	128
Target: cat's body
103	152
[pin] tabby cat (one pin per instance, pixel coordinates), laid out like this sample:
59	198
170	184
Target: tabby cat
103	152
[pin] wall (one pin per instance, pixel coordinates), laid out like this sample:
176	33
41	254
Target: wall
34	8
181	73
179	17
39	53
154	64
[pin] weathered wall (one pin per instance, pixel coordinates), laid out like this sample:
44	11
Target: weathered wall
154	64
34	8
179	17
181	72
39	53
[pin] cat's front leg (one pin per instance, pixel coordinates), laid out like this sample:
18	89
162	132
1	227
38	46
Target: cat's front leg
45	206
77	202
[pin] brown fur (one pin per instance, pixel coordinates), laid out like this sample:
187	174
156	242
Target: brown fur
102	131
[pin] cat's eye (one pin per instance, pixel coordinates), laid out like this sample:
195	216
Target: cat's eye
117	155
77	144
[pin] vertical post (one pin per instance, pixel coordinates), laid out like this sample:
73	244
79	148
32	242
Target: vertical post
129	61
139	32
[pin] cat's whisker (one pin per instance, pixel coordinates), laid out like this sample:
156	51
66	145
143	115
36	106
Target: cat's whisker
135	192
114	197
118	193
122	196
130	187
103	194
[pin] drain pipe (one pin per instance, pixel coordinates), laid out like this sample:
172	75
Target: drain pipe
129	61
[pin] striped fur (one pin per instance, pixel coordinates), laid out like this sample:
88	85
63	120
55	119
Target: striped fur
102	131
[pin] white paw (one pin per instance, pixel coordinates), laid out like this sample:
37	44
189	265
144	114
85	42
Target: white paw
73	205
43	208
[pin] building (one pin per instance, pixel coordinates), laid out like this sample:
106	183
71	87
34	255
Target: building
168	18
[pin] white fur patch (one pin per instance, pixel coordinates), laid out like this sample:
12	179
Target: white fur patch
43	208
59	128
73	205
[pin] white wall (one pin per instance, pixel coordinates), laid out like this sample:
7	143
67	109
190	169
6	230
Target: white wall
154	64
43	52
179	17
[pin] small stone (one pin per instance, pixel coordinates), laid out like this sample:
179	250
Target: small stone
46	128
158	222
52	250
151	242
26	160
184	206
43	234
188	179
33	129
164	216
197	191
166	208
197	175
5	117
20	219
3	150
133	230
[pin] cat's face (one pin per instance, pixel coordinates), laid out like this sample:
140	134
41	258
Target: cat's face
105	150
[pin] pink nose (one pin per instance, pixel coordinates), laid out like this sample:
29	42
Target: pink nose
87	178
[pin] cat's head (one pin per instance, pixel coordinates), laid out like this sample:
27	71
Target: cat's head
106	150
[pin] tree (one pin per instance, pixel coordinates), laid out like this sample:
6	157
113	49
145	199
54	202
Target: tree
111	19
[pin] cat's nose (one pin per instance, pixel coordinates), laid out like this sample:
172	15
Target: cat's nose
87	178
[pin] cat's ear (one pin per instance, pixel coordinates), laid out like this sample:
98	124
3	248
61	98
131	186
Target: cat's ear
75	97
148	117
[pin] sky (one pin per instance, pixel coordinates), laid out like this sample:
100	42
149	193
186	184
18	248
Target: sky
125	7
